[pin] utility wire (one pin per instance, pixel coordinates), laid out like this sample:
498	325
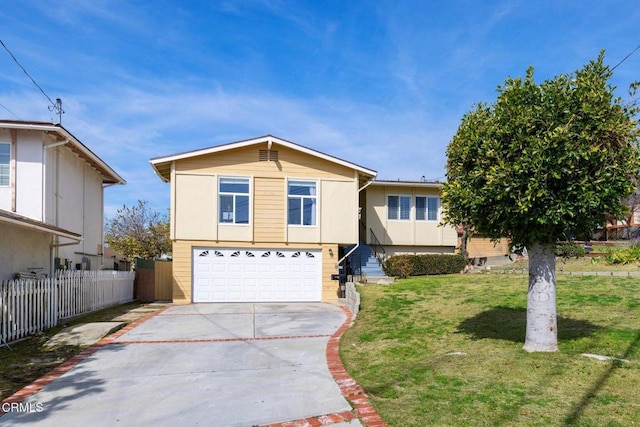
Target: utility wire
626	57
11	112
55	106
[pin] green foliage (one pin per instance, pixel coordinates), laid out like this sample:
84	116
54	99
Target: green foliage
422	265
138	231
624	256
544	159
570	250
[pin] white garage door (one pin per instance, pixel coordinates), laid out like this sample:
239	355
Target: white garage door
262	275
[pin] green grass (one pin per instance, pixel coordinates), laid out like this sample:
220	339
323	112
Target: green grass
447	351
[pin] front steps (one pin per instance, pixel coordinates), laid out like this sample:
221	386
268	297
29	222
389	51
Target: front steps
366	265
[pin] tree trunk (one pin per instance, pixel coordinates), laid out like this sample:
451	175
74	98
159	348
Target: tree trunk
542	323
464	240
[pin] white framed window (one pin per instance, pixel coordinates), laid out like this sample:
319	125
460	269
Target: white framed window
427	208
5	164
399	207
233	198
302	206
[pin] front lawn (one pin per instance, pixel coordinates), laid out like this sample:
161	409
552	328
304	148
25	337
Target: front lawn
447	351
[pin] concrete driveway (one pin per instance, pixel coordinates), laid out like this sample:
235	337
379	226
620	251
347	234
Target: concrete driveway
202	364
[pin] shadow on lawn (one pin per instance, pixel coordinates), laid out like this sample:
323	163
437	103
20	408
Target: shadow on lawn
508	323
590	395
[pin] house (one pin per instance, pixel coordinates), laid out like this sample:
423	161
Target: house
266	219
404	217
112	260
51	199
626	227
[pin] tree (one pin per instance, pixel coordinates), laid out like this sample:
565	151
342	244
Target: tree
138	231
542	162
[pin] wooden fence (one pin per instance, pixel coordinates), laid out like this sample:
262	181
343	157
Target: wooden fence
154	280
33	305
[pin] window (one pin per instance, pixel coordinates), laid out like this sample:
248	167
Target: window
234	200
5	164
399	207
301	197
427	208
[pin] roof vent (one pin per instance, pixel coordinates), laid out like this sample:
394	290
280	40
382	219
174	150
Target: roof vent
268	155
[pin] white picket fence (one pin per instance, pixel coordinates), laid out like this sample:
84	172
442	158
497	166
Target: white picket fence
32	305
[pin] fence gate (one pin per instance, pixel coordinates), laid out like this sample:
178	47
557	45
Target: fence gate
154	280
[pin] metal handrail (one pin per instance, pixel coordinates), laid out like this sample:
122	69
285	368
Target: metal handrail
376	245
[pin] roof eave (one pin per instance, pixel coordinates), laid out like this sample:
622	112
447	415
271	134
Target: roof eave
157	161
423	184
111	177
24	222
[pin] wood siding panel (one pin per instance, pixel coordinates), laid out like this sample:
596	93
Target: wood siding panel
329	287
244	161
269	210
182	272
480	246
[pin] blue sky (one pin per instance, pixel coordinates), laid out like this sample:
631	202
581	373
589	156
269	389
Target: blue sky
380	83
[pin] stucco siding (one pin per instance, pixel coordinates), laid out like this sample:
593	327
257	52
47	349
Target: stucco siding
235	232
196	207
29	175
417	250
301	234
409	232
29	250
339	212
80	207
376	214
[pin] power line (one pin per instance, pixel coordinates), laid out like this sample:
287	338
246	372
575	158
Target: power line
11	112
626	57
55	106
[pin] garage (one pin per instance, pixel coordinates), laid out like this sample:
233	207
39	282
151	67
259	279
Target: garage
257	275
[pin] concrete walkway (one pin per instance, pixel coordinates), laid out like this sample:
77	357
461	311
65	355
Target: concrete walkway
209	365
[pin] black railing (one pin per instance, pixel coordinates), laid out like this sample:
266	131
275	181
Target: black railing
376	246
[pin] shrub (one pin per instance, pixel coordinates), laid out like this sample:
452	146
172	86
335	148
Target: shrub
625	256
570	250
422	265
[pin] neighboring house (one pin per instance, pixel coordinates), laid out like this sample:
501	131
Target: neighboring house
112	260
627	227
51	199
266	219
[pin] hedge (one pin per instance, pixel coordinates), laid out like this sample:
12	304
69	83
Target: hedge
421	265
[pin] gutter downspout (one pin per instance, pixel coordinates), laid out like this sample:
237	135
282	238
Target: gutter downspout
56	188
101	255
